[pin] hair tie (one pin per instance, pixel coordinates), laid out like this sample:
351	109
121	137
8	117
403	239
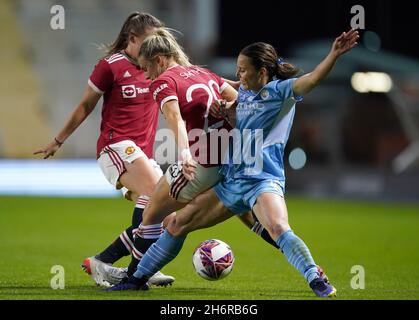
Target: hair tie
280	61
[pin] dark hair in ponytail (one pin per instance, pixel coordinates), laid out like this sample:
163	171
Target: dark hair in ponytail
137	23
263	55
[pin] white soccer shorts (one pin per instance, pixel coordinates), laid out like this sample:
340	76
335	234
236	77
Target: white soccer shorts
112	157
183	190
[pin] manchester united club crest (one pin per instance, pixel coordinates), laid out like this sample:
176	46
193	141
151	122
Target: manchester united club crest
130	150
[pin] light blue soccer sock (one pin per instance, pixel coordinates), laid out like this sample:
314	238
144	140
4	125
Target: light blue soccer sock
298	255
159	254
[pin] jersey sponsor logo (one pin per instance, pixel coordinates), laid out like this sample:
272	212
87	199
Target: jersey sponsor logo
130	91
249	108
159	89
130	150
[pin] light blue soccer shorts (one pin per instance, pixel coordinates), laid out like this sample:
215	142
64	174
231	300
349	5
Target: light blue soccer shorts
240	195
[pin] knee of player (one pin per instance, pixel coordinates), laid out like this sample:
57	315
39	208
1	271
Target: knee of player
177	228
145	188
180	230
148	188
132	196
169	219
277	228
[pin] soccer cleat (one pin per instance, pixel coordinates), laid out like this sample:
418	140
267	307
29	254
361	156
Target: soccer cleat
322	289
102	273
161	280
89	266
131	283
323	275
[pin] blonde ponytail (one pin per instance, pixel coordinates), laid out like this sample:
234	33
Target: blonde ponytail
164	43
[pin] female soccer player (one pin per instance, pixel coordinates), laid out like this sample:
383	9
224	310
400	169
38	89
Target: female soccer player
266	101
184	94
128	128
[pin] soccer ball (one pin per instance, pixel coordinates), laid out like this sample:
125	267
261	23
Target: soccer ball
213	260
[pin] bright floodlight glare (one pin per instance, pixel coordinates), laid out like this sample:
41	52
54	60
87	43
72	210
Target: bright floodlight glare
297	159
365	82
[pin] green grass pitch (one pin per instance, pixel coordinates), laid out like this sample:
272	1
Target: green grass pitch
38	233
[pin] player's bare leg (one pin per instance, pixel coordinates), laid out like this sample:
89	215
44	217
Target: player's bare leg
250	221
271	210
202	212
140	178
159	211
160	204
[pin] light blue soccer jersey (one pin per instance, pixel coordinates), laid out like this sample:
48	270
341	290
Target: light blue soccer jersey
264	120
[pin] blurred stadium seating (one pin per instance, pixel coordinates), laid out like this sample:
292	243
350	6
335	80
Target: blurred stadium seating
59	62
22	118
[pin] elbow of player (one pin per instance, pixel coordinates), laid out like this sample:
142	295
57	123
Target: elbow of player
87	107
312	83
174	118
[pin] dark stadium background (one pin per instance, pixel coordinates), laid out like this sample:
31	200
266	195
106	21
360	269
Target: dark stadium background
285	23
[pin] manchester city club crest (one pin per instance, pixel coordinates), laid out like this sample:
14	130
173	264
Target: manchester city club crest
264	94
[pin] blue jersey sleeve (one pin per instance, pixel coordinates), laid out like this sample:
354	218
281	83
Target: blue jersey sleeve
285	90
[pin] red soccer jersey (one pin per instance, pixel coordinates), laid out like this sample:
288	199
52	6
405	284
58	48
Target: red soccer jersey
129	111
195	89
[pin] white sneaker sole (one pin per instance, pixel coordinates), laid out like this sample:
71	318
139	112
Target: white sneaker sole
161	280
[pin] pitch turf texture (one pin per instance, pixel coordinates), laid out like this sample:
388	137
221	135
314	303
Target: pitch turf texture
38	233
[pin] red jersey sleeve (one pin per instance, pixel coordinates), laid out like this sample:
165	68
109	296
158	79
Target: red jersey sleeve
101	79
221	83
163	90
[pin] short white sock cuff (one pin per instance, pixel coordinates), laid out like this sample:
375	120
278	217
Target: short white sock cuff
151	231
142	202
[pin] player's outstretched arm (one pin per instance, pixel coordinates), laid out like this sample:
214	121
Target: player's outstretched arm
175	122
344	43
80	113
